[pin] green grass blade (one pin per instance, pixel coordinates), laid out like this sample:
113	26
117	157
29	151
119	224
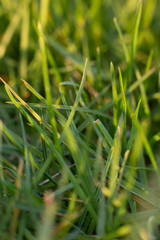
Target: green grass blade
45	229
44	9
126	52
26	154
135	36
99	80
48	87
149	61
104	132
131	88
133	129
124	109
136	29
54	44
24	42
143	94
72	113
148	149
115	97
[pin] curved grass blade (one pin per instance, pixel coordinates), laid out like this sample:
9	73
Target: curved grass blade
27	106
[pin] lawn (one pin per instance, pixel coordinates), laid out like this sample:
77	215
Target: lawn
79	120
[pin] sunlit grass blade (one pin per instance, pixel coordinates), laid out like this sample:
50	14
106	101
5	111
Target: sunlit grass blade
44	8
27	106
124	109
120	232
149	11
115	97
32	90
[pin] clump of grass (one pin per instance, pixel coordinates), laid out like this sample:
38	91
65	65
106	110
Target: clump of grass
78	157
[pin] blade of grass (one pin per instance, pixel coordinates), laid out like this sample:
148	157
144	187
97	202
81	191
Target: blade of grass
24	39
47	86
114	169
149	61
45	229
148	149
44	8
99	80
54	44
1	163
26	154
18	142
55	70
14	222
114	93
134	38
126	52
143	94
133	129
27	106
124	109
70	118
131	88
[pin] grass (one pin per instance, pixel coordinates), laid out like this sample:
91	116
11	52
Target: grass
79	133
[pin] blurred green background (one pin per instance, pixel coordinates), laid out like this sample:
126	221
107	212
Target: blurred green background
74	29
